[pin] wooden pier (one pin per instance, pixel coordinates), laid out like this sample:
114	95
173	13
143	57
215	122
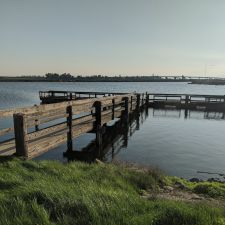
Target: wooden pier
114	138
65	115
40	128
190	101
48	97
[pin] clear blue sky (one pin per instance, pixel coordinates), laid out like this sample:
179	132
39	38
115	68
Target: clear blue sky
128	37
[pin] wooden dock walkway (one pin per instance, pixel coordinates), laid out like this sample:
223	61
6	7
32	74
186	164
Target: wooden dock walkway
65	115
40	128
190	101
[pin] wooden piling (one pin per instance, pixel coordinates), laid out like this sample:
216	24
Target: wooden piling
147	99
70	130
113	109
142	100
126	109
98	124
98	113
131	103
186	99
20	131
138	101
36	125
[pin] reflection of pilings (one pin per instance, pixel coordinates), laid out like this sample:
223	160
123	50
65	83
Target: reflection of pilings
190	114
214	115
176	113
185	113
146	112
114	138
137	121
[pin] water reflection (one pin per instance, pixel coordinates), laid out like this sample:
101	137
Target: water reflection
188	114
117	134
114	139
180	142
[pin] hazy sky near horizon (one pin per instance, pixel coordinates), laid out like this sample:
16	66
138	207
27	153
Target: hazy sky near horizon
128	37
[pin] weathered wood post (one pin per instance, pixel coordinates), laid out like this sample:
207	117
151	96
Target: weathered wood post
70	128
142	100
186	99
20	131
131	103
138	101
126	109
36	122
113	109
147	99
186	113
36	125
98	124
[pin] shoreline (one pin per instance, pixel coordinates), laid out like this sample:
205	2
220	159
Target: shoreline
49	192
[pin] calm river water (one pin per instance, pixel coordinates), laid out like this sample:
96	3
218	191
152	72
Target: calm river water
160	138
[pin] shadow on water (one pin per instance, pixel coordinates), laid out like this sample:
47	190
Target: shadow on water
188	114
114	138
116	135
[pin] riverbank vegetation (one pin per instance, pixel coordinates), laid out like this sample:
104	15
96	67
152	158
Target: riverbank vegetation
67	77
77	193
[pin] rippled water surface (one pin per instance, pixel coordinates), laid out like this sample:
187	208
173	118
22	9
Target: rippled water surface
178	144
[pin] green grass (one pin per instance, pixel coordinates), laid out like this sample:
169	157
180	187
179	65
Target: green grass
212	189
50	192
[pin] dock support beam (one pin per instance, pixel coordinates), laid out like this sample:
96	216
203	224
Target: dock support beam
98	125
113	109
126	109
142	100
147	99
138	101
70	129
186	99
131	103
20	131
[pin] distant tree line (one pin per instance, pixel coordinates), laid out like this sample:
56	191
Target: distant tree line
119	78
59	77
67	77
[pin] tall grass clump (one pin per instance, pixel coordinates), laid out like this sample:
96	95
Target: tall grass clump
49	192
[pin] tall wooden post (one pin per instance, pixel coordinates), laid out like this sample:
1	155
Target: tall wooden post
142	100
186	99
186	113
20	131
98	124
126	109
131	103
138	101
147	99
70	128
113	109
36	125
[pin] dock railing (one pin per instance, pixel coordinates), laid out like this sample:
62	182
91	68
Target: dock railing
59	96
40	128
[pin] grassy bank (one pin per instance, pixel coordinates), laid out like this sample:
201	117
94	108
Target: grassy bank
77	193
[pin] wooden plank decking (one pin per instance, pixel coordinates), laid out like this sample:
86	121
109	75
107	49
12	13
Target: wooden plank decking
37	129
